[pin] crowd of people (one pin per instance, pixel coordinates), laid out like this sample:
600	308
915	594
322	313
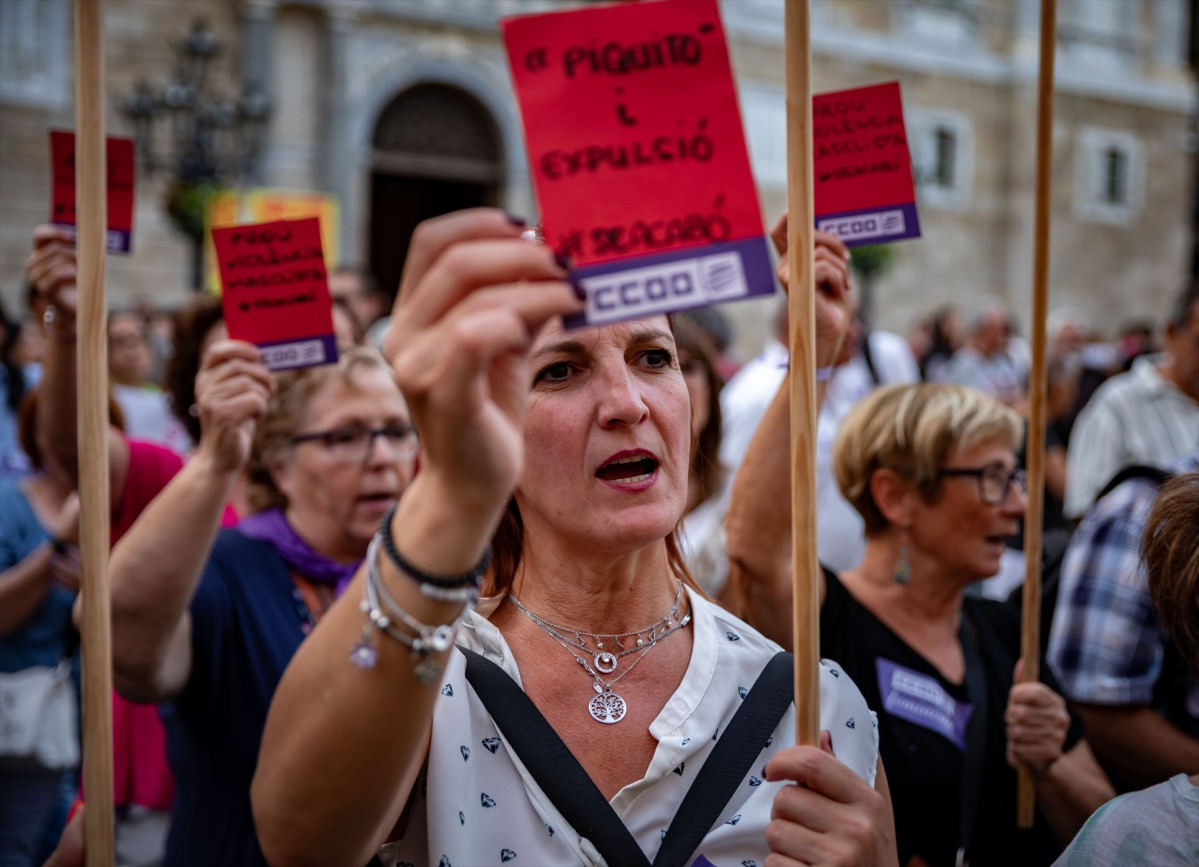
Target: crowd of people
488	590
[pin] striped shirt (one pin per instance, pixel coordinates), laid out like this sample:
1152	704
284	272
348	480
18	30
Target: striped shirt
1134	418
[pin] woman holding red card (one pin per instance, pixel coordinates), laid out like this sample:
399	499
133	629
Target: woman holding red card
565	454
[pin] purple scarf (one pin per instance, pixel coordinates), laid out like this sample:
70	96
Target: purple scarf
272	527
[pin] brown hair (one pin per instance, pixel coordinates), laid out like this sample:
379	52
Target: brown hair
1170	551
509	538
689	337
179	378
911	429
284	415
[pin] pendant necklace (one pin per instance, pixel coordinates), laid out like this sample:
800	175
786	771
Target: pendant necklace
608	706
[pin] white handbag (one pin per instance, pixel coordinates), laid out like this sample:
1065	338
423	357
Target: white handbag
38	717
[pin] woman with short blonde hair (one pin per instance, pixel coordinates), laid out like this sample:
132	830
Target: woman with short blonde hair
932	470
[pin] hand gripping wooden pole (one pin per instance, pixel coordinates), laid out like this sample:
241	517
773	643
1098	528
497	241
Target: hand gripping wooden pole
802	324
92	376
1030	633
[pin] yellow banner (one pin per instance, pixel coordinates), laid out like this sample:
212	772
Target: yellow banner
262	205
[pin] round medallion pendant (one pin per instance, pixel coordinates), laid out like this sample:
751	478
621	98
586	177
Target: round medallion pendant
605	662
607	707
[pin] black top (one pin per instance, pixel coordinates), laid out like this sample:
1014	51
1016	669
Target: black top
923	763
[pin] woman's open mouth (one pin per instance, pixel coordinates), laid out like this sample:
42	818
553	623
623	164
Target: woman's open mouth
629	469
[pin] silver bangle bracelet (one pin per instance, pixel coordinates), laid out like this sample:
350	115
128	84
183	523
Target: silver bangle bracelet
423	639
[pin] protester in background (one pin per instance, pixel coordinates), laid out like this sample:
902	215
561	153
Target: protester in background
702	533
197	326
145	406
984	362
1158	827
945	340
160	332
39	577
360	293
1149	415
16	380
932	471
1107	648
574	445
208	622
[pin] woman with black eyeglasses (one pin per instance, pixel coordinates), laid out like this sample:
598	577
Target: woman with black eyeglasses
206	621
932	471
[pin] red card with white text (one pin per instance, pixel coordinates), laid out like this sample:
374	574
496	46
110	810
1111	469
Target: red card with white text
119	156
863	171
639	161
275	291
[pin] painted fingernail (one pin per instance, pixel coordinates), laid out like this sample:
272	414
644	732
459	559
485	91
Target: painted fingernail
519	222
580	292
563	261
847	256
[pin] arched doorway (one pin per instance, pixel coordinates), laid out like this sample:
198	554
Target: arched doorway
435	149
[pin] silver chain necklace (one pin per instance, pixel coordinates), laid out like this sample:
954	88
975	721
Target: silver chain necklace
605	661
607	706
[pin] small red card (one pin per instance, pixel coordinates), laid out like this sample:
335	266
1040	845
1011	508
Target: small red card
863	172
638	156
119	156
275	291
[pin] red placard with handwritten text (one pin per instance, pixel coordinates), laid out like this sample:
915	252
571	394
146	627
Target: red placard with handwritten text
638	155
863	172
275	291
119	156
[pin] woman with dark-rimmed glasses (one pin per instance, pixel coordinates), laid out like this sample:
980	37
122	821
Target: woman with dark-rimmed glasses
205	622
932	471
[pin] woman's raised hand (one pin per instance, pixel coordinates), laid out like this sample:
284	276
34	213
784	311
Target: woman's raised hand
834	304
232	391
1037	723
473	297
51	267
830	817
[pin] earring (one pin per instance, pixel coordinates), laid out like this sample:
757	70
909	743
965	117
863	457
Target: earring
903	567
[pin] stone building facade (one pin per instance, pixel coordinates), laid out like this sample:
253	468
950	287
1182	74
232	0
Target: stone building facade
404	108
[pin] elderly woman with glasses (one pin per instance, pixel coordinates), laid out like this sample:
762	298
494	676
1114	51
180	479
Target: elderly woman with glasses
206	620
932	471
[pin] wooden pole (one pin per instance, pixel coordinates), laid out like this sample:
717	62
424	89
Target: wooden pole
802	324
1030	635
92	376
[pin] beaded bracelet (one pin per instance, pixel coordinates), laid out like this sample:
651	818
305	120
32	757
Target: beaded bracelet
448	588
423	640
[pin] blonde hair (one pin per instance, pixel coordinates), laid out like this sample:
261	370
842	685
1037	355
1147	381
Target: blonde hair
911	429
285	414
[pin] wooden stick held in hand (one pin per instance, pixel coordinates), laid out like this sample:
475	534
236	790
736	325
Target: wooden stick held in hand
92	373
1030	634
802	324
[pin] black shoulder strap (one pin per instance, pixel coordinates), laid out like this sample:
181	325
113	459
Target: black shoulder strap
552	765
567	785
976	735
1135	471
868	357
742	742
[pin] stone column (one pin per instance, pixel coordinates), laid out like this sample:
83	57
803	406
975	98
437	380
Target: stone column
258	40
337	152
